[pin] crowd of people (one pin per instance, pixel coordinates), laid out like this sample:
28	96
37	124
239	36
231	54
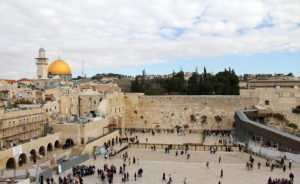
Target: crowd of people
279	181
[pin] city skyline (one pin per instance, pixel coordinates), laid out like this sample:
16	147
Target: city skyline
127	37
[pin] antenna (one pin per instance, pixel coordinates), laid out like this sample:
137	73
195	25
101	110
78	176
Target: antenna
82	69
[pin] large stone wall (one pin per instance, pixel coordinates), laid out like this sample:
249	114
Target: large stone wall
166	112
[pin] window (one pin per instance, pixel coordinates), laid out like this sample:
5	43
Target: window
9	123
46	110
267	102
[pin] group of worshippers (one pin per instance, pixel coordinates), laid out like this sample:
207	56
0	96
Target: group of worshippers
83	170
69	180
279	181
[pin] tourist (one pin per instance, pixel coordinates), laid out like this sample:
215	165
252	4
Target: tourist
164	177
170	178
133	160
176	153
135	176
207	165
258	165
290	164
291	177
220	159
188	156
284	168
221	173
184	181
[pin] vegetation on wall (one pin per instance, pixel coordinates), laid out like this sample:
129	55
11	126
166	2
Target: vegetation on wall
223	83
278	116
293	125
296	110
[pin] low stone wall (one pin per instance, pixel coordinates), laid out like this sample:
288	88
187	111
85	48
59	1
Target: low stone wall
89	148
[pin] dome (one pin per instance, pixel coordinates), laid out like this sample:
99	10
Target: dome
59	67
42	50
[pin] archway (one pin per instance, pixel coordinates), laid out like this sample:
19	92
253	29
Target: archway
113	141
42	151
56	144
117	139
22	159
49	147
69	143
11	163
32	154
108	143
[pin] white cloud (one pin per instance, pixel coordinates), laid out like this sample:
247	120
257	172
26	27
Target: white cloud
118	33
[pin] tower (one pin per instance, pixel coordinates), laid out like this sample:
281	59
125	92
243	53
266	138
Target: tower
41	65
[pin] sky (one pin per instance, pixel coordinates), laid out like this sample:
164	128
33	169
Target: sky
122	36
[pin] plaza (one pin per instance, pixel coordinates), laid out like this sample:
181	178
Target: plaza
155	163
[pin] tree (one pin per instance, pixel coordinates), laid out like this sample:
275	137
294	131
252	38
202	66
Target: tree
193	84
290	74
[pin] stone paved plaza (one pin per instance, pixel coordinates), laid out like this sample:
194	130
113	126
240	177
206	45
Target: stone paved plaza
168	138
154	163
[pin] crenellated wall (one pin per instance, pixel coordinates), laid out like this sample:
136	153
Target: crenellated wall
166	112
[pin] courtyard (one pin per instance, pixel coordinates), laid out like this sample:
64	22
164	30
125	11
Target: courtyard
155	163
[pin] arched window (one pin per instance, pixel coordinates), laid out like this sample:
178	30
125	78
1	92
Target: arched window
267	102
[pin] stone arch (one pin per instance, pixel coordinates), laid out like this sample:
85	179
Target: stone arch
11	163
112	141
49	147
69	143
42	151
32	154
267	102
22	159
56	144
105	144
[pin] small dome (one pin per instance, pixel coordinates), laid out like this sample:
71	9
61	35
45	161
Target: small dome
59	67
42	50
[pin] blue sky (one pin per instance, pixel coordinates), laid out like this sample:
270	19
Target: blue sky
275	62
160	36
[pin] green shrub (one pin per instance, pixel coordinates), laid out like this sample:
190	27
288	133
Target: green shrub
293	125
297	110
278	116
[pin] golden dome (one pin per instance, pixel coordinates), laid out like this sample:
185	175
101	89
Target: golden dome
59	67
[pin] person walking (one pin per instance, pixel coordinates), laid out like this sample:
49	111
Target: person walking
164	177
221	173
135	176
207	165
219	159
291	177
184	181
290	164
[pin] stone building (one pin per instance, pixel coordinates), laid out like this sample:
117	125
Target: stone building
20	125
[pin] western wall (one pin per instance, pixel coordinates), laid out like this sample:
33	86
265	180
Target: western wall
190	112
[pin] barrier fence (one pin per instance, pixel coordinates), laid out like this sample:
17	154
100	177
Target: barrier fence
73	162
182	147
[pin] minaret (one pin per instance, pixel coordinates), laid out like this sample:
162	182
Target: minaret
41	65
